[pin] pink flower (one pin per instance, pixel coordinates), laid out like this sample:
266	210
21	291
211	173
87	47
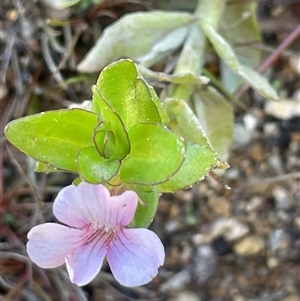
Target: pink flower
97	229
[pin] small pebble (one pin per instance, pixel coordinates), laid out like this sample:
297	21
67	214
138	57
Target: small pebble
292	298
204	263
275	162
239	298
250	122
198	239
294	61
241	136
177	282
230	228
172	226
272	262
254	203
284	109
249	245
220	206
187	296
282	198
278	242
271	129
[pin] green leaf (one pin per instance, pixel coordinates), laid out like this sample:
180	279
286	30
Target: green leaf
54	137
169	43
184	78
240	27
161	110
199	160
258	82
192	55
184	122
210	11
147	208
133	36
221	46
225	51
105	142
216	116
110	137
95	169
200	157
127	93
156	154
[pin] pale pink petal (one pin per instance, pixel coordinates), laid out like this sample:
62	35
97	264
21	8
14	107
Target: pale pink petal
50	243
85	262
135	257
122	208
80	205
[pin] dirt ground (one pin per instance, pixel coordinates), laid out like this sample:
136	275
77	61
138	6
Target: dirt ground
221	244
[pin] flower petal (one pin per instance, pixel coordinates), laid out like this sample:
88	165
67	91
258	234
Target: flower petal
85	262
122	208
50	243
80	205
135	257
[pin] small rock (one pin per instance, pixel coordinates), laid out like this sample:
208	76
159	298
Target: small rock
198	239
297	222
278	242
204	263
241	136
296	94
249	245
294	61
282	198
257	152
230	228
284	109
271	129
292	298
250	122
232	173
239	298
172	226
273	262
275	162
187	296
220	206
177	282
254	203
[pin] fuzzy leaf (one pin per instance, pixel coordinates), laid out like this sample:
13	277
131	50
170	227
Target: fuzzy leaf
225	51
221	46
216	117
240	27
258	82
132	36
